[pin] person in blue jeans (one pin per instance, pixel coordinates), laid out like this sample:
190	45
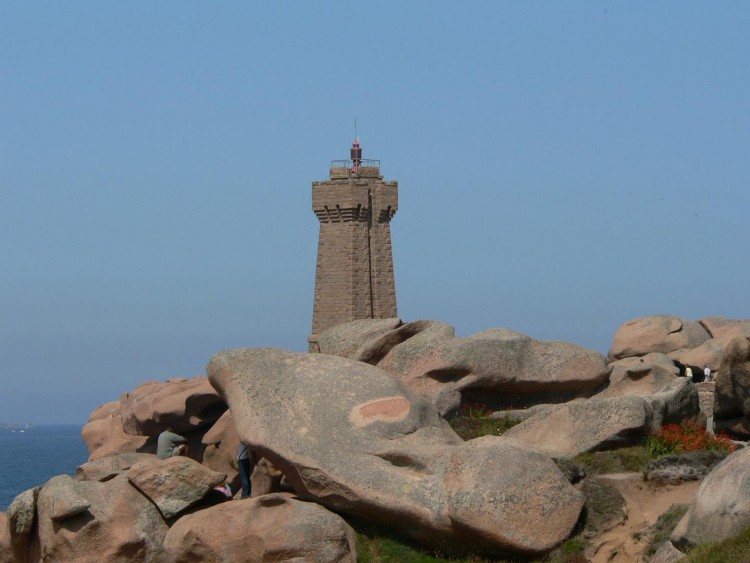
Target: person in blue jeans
246	464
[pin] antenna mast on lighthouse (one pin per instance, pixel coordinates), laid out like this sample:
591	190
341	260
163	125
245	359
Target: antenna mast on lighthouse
356	151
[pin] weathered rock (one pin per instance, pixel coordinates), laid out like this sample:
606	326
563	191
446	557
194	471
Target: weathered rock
708	354
110	467
364	340
654	377
266	478
106	410
349	436
269	528
585	425
21	515
120	525
640	375
174	484
667	553
722	504
719	327
220	454
499	367
605	507
6	549
659	333
423	338
687	466
63	499
105	437
732	390
181	404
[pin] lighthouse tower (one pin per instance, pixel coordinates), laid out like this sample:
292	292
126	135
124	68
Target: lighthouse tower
354	274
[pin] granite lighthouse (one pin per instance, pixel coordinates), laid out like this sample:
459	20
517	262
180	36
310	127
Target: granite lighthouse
354	273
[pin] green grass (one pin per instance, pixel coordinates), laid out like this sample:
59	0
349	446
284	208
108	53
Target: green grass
664	526
624	460
732	550
474	427
376	544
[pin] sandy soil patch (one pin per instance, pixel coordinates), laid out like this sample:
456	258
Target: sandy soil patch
645	502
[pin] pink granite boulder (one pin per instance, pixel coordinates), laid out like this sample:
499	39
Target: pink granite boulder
364	340
105	437
708	354
89	521
220	454
174	484
654	377
658	333
181	404
499	367
6	549
732	390
721	508
110	467
720	326
564	431
269	528
349	436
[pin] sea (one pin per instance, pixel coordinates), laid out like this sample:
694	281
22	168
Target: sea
31	456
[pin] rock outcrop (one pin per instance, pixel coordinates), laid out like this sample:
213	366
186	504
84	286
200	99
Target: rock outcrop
357	431
104	435
499	367
564	431
654	377
181	404
659	333
89	521
350	437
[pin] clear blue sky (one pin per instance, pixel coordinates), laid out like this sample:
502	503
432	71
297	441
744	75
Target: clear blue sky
562	168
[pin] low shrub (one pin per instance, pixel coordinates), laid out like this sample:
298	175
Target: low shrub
473	421
688	436
631	459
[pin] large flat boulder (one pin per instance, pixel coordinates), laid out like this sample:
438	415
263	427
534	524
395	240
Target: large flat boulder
268	528
110	467
658	333
174	484
351	437
500	367
118	525
732	390
564	431
722	504
181	404
720	326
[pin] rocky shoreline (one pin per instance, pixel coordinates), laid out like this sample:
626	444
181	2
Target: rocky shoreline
359	431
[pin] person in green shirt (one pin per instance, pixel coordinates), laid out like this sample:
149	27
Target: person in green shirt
170	444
